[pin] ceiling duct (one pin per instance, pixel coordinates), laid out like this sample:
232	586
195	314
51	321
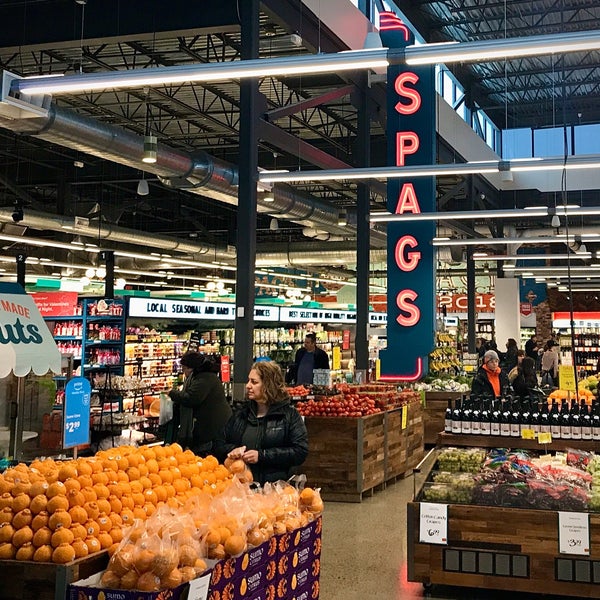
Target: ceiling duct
197	173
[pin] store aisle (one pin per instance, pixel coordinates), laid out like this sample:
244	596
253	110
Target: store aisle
364	552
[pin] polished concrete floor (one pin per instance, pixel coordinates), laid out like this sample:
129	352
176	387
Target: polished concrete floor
364	552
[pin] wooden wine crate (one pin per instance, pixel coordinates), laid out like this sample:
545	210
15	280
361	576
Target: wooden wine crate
345	456
404	446
504	549
435	411
46	581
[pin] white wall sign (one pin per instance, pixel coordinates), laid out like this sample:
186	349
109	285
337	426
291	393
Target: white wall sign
433	523
574	533
305	315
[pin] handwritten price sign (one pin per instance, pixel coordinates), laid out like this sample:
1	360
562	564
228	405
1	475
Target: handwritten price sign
574	533
433	523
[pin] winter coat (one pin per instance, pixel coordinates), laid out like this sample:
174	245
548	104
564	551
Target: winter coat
203	394
481	385
282	439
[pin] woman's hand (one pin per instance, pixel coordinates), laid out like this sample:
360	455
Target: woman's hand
237	453
250	457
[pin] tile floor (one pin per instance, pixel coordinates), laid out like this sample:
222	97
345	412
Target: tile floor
364	552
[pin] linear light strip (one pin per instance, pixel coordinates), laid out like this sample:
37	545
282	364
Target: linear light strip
507	257
519	213
503	241
591	161
312	63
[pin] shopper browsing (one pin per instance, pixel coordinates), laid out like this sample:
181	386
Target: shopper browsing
203	408
308	359
267	432
526	380
549	365
490	379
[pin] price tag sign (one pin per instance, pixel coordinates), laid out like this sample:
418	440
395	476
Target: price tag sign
433	523
404	416
77	412
336	358
574	533
377	370
199	588
566	377
528	434
545	438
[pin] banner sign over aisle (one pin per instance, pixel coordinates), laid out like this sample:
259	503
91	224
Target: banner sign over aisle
411	131
319	315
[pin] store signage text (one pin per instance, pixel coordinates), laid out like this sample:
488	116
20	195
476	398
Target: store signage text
327	316
410	263
56	304
18	332
459	303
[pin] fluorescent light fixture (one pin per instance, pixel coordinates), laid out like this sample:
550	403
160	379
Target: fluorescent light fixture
450	52
503	257
205	72
501	241
590	161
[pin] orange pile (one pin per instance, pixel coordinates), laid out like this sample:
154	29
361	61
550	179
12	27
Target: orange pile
59	511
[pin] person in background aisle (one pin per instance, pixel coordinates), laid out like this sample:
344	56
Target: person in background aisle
480	347
526	379
490	379
549	365
515	370
203	408
308	359
510	358
532	347
267	432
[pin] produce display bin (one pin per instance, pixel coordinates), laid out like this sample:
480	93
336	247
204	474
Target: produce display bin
509	549
351	456
435	412
46	581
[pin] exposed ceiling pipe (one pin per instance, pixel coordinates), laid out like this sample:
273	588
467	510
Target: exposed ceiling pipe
197	173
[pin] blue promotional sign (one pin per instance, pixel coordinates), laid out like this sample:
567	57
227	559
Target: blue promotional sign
77	412
411	130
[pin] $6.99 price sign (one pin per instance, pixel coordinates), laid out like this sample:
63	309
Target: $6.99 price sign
433	523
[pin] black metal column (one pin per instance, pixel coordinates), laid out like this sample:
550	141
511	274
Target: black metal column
471	314
21	260
246	214
108	256
363	232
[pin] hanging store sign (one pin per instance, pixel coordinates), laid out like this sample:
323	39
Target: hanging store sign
319	315
459	303
183	309
410	264
56	304
377	318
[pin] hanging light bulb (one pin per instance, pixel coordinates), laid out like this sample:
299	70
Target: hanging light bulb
121	283
101	272
220	285
150	149
210	286
307	298
142	187
555	221
85	280
89	273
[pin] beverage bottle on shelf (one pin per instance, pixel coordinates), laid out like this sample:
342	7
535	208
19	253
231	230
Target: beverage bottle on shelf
544	426
575	417
526	418
495	417
448	418
595	415
586	422
505	418
565	421
485	420
535	416
457	416
466	417
515	419
476	417
555	421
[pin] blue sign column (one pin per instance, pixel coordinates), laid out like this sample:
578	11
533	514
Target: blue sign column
77	412
411	131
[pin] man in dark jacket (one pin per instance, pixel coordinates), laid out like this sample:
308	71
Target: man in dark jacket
308	359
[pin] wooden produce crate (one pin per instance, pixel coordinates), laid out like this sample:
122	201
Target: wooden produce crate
435	411
46	581
346	455
504	549
404	447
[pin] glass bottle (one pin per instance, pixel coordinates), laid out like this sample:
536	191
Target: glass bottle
515	419
505	419
448	417
555	421
595	420
495	415
476	417
457	417
466	417
586	422
575	420
544	426
485	418
565	421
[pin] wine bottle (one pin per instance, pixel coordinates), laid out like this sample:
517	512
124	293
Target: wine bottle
595	420
457	416
565	421
466	417
495	418
448	417
525	421
476	417
515	419
586	422
535	416
485	418
575	418
555	421
544	426
505	419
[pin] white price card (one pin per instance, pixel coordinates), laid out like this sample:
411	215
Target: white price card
574	533
199	588
433	523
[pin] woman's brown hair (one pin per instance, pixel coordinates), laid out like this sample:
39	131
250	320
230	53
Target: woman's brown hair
271	376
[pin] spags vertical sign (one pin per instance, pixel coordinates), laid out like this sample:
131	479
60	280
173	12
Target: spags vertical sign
411	131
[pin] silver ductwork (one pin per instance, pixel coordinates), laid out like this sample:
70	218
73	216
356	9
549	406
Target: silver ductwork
197	173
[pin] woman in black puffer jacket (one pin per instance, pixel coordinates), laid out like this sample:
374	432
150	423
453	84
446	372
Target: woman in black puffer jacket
267	433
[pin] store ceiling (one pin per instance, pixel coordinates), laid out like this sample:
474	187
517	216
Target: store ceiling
48	179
